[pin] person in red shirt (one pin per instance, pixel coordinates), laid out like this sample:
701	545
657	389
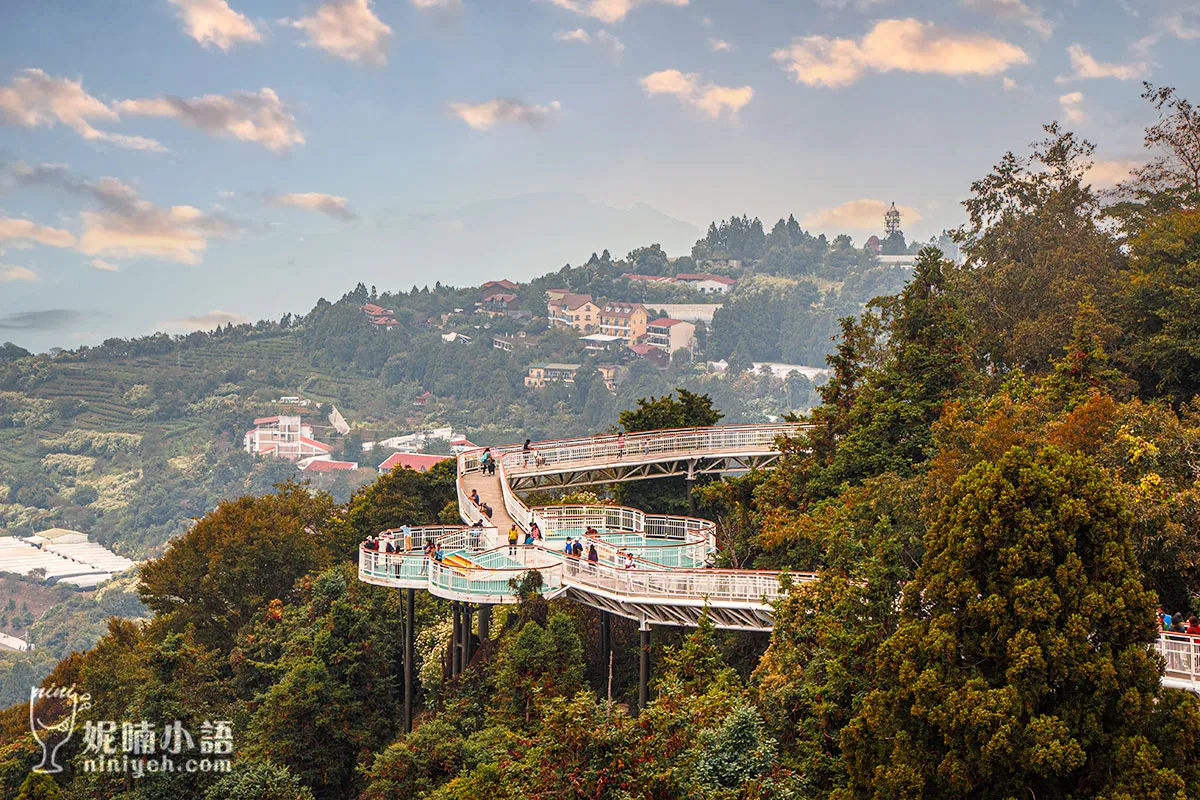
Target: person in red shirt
1193	626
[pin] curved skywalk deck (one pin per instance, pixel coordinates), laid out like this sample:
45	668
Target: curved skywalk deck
670	583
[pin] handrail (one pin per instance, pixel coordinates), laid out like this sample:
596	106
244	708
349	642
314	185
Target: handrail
1181	655
637	446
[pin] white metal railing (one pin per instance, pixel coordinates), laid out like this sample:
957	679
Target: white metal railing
405	568
450	537
650	445
706	585
491	584
1181	653
577	518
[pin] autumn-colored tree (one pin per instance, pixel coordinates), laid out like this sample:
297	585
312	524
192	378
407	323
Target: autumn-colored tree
235	559
1022	662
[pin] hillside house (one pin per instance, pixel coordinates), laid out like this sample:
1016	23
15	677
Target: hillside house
542	374
378	315
423	399
706	283
633	276
575	311
283	437
670	335
503	285
626	320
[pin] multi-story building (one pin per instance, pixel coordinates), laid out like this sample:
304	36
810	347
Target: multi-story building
542	374
283	437
670	335
575	311
627	320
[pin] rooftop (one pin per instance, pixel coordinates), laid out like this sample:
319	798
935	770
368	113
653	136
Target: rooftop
664	322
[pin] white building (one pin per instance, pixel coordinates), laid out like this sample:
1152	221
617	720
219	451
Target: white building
283	437
671	334
706	283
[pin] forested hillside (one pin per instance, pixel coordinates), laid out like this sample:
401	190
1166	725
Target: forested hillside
998	490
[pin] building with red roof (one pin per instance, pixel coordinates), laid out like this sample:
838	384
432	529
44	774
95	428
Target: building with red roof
416	461
283	437
328	465
670	335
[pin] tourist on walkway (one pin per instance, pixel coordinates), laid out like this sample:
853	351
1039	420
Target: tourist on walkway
529	538
569	550
593	558
475	498
513	533
620	446
629	564
1193	627
577	548
525	451
535	531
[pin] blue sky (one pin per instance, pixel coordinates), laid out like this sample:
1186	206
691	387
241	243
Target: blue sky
168	164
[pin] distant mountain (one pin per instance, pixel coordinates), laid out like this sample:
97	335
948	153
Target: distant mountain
283	270
529	235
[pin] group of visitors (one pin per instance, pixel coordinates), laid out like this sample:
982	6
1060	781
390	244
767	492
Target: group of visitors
1175	623
487	462
528	451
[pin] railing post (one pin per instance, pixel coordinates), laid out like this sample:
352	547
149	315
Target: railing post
409	672
643	665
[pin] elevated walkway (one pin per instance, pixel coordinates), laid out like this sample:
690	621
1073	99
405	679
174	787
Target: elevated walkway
655	569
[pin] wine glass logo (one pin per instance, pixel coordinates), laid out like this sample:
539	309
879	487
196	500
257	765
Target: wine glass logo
52	714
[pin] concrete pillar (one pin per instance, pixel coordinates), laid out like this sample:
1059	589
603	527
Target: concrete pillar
466	638
485	622
605	636
644	666
455	639
409	671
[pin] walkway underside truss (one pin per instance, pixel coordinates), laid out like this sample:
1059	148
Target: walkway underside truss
690	467
656	611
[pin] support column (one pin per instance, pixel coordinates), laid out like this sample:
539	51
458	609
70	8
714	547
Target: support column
485	622
455	639
605	636
644	666
466	639
691	485
409	635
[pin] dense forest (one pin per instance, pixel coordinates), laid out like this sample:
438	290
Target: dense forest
997	491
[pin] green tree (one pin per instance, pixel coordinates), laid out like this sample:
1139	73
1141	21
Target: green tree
1160	309
39	786
252	779
691	410
1021	664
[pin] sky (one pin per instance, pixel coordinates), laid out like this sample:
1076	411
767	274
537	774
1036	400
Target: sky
170	165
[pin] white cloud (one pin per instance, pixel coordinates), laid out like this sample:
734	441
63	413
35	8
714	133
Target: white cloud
22	233
610	11
213	22
485	116
204	322
259	117
1086	67
857	215
104	266
1185	28
11	274
349	30
710	98
327	204
603	40
1017	11
1072	107
438	5
35	99
1106	174
577	35
1009	84
907	45
719	46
